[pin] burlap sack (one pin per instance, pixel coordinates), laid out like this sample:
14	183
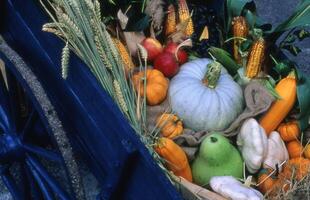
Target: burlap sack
257	100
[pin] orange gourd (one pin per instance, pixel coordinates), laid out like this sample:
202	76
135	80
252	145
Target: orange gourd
296	168
267	182
307	151
171	126
286	88
175	157
289	131
294	149
156	86
271	184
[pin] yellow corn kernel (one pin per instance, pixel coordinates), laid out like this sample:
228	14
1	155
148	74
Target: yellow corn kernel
126	58
184	15
170	25
256	58
240	29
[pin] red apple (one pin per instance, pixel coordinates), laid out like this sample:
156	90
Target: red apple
167	64
153	47
171	47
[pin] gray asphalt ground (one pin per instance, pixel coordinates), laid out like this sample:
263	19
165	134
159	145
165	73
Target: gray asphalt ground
276	11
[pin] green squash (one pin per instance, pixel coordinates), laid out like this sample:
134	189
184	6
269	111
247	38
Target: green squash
216	157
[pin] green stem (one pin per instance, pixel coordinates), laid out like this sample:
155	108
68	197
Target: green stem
213	74
274	60
213	139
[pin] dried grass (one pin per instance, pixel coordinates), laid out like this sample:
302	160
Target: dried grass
297	190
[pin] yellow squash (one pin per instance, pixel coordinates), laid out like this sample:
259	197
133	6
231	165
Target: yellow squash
286	88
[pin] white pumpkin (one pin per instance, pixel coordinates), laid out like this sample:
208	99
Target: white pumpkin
205	102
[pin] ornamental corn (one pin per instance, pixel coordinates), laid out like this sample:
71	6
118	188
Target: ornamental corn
240	30
126	58
184	15
256	58
170	25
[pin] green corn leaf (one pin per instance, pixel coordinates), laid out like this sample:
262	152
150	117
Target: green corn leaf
303	96
301	17
251	18
225	59
138	22
246	45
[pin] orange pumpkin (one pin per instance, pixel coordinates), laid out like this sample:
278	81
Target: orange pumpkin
171	126
296	168
294	149
175	157
286	88
156	86
307	151
289	131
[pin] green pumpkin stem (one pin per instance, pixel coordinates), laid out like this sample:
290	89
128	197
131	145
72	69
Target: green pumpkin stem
213	74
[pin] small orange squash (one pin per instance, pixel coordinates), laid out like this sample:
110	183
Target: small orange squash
296	168
156	86
289	131
307	151
175	157
270	185
171	126
267	184
286	88
294	149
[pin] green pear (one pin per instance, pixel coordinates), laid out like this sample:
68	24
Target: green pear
216	157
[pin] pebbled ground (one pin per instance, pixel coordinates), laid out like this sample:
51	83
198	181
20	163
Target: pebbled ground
276	11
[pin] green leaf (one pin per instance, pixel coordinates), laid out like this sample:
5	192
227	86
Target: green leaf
269	85
234	8
192	55
301	17
250	18
245	46
138	23
282	68
225	59
303	96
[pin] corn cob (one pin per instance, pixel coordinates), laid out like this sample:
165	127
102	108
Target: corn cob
256	58
126	58
170	25
184	15
240	29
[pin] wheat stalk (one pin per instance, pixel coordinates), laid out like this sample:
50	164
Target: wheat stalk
54	31
119	96
97	9
89	38
65	61
64	18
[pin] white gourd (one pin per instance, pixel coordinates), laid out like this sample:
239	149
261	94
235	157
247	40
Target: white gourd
230	188
199	106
